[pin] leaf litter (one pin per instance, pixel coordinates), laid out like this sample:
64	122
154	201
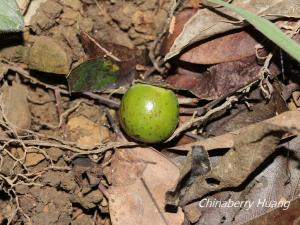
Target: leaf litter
240	137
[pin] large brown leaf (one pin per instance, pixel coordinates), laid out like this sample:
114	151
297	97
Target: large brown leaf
220	79
176	27
242	115
228	48
140	178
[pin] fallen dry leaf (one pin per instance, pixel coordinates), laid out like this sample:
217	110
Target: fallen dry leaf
250	149
206	23
220	79
271	184
287	217
288	119
241	115
276	180
140	178
176	27
228	48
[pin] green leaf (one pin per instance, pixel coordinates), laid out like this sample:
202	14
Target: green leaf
267	28
11	19
94	75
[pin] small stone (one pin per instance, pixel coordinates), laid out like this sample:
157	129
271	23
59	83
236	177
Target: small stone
46	55
40	22
22	189
33	158
88	201
43	17
16	107
74	4
70	17
83	219
52	9
17	53
95	196
122	15
86	133
86	24
55	153
143	22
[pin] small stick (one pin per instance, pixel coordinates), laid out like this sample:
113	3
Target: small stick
60	112
191	122
113	124
105	101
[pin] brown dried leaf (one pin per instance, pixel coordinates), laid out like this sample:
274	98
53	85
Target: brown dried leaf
277	180
140	178
92	49
241	115
206	23
228	48
220	79
176	27
250	149
287	217
100	49
287	119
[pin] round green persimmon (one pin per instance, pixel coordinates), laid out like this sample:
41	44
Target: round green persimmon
149	113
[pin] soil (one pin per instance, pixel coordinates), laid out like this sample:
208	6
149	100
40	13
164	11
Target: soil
64	158
51	189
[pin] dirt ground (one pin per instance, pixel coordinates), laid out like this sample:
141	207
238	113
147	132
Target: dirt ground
58	150
52	189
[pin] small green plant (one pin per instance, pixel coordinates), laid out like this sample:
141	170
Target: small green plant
11	19
267	28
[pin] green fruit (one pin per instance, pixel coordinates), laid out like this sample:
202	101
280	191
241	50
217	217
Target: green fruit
149	113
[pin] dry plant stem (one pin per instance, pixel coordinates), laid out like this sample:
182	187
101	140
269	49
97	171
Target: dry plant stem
40	143
114	125
95	217
103	100
203	109
227	104
158	62
153	69
60	112
108	53
188	101
101	149
64	115
265	80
